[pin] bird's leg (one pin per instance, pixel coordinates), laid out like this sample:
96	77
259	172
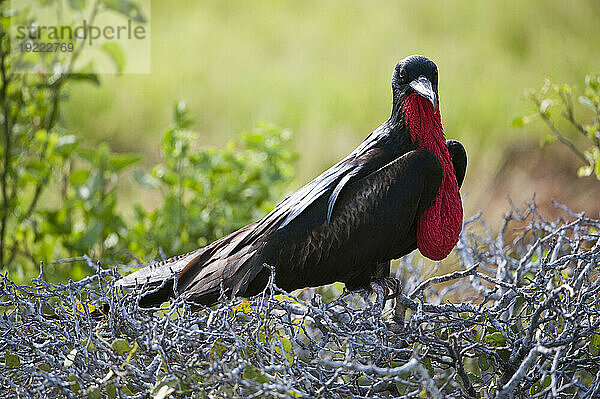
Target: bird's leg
385	288
399	309
380	292
399	315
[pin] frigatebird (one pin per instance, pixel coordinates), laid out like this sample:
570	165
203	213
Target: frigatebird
396	192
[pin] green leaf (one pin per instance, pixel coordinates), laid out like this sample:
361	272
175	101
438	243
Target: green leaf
11	360
121	346
88	345
400	387
38	169
586	102
495	339
66	144
584	171
117	162
474	378
111	391
520	121
253	374
126	7
520	303
483	362
74	384
182	116
592	81
144	179
79	177
92	234
535	388
94	393
162	391
41	136
70	358
504	354
87	155
547	381
86	73
77	4
217	350
594	344
547	139
115	52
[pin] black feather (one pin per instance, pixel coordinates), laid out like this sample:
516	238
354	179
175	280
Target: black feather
345	225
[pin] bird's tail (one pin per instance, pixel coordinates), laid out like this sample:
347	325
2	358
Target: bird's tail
201	274
159	277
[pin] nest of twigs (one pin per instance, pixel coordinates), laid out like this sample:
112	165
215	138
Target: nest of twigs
520	318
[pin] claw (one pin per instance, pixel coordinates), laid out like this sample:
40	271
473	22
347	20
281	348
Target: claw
399	314
379	290
385	289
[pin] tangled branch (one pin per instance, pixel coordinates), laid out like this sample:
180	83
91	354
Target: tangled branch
519	319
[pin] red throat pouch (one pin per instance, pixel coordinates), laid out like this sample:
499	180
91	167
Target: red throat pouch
440	225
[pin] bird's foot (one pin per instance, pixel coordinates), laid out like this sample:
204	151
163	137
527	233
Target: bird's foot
379	295
398	317
385	288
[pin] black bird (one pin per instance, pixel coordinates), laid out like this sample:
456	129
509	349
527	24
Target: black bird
396	192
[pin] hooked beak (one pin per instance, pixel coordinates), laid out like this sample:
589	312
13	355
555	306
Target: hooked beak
422	86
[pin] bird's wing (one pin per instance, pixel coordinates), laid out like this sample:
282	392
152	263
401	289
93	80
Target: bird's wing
363	160
458	157
232	255
156	272
372	223
369	156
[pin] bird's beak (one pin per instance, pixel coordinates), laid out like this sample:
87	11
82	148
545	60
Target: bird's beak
422	86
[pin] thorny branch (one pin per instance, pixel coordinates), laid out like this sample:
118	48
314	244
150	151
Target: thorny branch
520	318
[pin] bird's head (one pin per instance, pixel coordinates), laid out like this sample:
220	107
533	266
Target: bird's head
414	74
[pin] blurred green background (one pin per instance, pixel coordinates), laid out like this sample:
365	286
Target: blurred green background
119	173
323	69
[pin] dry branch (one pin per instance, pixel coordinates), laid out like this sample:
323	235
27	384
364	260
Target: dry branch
519	318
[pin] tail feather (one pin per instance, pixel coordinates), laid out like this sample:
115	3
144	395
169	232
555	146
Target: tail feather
155	273
228	261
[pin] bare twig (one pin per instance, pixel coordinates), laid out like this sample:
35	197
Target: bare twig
534	336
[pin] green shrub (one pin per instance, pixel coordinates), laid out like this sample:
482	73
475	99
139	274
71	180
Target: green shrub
209	193
59	196
555	104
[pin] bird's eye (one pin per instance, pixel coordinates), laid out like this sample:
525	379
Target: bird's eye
403	76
